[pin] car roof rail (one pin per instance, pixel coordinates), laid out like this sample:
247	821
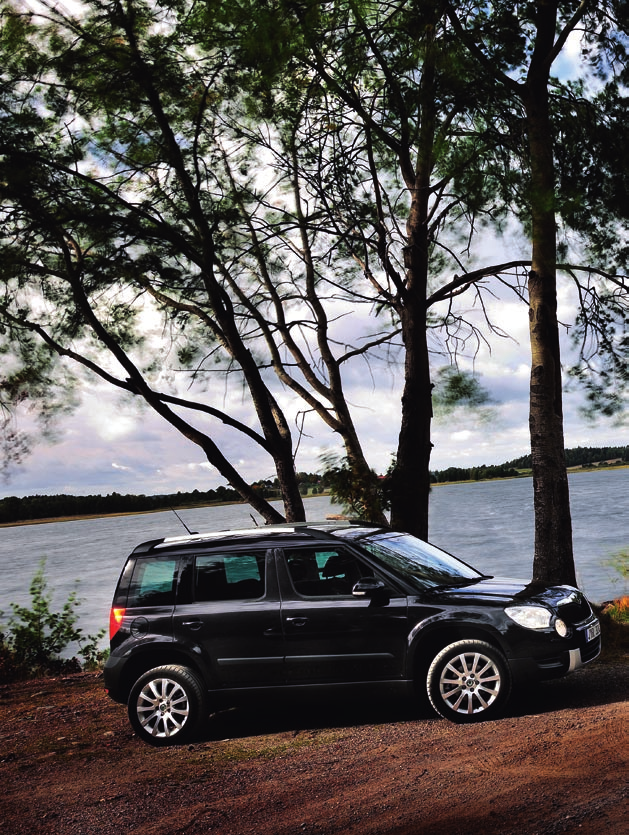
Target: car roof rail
317	530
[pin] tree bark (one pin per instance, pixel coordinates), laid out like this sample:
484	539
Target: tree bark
553	560
410	486
410	489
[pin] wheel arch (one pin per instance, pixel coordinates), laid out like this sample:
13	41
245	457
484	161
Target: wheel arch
430	640
159	656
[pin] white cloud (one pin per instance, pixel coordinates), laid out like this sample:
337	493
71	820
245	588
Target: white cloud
110	444
151	458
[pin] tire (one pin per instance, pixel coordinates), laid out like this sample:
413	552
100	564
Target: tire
469	681
167	705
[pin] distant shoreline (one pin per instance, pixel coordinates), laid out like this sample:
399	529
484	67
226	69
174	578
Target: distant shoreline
78	518
529	474
50	519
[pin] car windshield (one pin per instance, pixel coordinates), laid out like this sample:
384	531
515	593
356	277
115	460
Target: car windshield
423	565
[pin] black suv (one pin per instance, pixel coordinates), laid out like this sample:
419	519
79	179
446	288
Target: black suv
208	619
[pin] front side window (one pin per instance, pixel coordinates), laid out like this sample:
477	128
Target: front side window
321	572
229	576
154	582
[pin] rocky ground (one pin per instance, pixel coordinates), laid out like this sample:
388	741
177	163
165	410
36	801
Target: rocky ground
557	763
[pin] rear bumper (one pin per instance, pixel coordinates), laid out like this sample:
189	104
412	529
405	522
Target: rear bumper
112	675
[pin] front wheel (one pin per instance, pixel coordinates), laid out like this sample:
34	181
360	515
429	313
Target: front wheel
167	705
469	681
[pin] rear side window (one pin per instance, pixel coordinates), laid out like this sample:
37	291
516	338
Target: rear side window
154	583
229	576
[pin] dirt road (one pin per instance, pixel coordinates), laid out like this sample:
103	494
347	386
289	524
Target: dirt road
558	763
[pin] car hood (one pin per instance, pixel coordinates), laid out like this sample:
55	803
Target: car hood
509	590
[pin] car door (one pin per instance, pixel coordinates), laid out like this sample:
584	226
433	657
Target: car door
231	615
330	634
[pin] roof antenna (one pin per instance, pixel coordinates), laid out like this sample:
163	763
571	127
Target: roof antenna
192	533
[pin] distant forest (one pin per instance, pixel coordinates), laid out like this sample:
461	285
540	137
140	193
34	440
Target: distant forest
577	457
29	508
32	508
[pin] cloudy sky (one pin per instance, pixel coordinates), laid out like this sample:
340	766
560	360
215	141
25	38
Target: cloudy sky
109	445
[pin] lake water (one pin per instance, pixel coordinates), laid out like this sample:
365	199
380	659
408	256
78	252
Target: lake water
488	524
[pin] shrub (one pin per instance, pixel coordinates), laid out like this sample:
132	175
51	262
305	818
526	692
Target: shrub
36	636
618	610
620	563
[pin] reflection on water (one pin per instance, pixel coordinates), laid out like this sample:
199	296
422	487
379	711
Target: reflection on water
489	524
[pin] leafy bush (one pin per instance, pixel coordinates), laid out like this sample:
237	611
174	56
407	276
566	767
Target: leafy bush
614	615
620	563
35	637
364	497
619	610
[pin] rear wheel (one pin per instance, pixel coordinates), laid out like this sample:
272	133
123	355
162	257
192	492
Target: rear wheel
167	705
469	681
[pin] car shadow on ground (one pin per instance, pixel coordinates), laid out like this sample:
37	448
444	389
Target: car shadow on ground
599	684
291	715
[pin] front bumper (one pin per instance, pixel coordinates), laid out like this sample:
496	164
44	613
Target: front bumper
583	647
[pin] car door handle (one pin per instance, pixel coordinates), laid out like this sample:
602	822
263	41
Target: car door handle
193	624
297	621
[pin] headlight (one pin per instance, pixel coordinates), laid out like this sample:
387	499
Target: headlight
531	617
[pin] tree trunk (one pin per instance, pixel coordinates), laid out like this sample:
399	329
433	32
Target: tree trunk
410	493
410	487
553	558
289	489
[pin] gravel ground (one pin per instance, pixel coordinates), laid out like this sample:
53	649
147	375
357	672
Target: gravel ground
557	763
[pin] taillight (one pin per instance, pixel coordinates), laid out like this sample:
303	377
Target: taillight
115	621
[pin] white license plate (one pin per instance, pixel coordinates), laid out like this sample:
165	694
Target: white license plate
592	632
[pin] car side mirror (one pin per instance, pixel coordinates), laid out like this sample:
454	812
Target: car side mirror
373	589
